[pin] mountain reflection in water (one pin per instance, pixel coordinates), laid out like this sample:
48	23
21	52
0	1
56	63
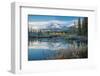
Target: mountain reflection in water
56	48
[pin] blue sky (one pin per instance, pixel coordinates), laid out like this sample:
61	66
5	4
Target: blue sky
42	21
48	18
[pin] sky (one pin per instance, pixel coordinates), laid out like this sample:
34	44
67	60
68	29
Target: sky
42	21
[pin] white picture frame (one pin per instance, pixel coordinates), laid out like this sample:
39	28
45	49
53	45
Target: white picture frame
19	12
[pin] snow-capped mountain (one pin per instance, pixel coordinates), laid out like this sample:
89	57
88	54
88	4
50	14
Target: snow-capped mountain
58	25
51	25
54	26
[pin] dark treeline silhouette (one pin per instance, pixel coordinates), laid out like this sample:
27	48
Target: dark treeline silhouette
83	26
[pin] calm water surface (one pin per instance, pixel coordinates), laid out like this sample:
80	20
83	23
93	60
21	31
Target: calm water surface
52	48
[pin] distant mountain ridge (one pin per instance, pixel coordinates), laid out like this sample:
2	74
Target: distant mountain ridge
52	25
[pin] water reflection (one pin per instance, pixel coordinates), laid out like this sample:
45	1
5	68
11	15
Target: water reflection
55	48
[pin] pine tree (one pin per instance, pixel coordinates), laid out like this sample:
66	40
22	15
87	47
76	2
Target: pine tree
79	27
85	26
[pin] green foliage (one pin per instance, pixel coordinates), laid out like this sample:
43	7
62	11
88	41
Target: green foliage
79	27
83	27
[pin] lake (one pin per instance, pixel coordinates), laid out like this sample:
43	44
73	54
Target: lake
56	48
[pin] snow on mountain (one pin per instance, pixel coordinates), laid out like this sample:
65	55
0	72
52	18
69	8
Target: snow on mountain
53	24
60	24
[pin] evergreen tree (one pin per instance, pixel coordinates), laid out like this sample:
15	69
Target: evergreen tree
79	27
85	26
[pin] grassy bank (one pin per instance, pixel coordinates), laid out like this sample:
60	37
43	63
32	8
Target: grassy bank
71	53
